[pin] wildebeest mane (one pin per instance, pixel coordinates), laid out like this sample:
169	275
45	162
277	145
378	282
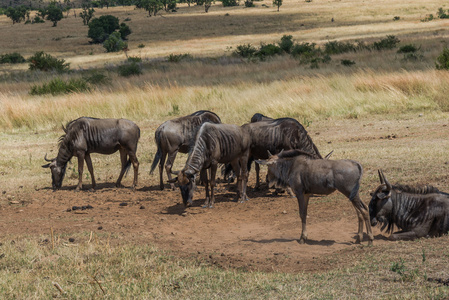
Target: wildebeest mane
419	189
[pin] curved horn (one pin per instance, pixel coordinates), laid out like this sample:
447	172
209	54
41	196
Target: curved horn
386	181
380	176
46	159
269	154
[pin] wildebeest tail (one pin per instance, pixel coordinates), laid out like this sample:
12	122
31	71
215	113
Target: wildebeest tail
158	154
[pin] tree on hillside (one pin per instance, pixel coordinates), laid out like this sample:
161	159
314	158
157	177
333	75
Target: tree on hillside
207	5
277	3
100	28
87	14
151	6
16	14
52	13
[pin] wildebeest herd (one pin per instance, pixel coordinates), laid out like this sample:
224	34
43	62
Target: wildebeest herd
293	160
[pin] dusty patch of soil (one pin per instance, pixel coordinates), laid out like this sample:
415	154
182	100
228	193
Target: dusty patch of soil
261	234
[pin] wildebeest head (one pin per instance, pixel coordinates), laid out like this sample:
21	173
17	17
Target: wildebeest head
186	181
57	172
381	205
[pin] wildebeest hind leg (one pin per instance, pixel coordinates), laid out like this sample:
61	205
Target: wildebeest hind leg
91	169
362	210
303	202
213	172
123	159
169	165
161	170
135	163
80	171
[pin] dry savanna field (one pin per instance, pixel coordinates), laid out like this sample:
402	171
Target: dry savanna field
383	109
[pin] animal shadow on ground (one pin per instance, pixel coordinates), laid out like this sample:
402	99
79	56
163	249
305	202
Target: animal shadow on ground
86	187
308	241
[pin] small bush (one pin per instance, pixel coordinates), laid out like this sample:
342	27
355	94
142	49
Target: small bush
335	47
249	3
427	18
230	3
286	43
59	86
46	62
134	59
442	62
114	43
304	49
11	58
442	14
408	49
268	50
97	78
388	43
141	46
396	18
245	51
179	57
130	69
347	62
124	31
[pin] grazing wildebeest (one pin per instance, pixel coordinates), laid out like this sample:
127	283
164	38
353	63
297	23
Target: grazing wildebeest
84	136
175	136
308	174
274	135
417	211
215	144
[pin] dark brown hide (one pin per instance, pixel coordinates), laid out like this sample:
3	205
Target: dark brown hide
306	175
86	135
417	211
175	136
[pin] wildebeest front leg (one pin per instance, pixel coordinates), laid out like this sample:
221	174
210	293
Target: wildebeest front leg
303	203
213	172
80	171
257	167
91	169
203	178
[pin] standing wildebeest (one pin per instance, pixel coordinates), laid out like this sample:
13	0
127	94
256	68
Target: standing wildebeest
177	135
215	144
307	174
274	135
84	136
418	211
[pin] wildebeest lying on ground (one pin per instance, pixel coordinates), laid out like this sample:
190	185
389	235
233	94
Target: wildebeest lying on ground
417	211
177	135
215	144
274	135
307	174
84	136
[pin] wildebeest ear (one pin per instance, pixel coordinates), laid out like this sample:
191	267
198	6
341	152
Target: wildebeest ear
173	180
46	166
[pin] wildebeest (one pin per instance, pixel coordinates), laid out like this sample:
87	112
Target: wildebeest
84	136
308	174
274	135
175	136
215	144
417	211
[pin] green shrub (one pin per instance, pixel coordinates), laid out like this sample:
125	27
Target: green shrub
141	46
97	78
442	62
114	43
335	47
396	18
100	28
134	59
37	19
249	3
427	18
388	43
59	86
245	51
442	14
179	57
408	49
347	62
230	3
286	43
130	69
46	62
305	49
268	50
124	31
11	58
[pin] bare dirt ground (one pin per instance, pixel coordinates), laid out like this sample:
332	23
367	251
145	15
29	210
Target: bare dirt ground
261	234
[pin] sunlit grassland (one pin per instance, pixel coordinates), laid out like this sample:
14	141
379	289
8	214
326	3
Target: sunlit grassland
103	266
